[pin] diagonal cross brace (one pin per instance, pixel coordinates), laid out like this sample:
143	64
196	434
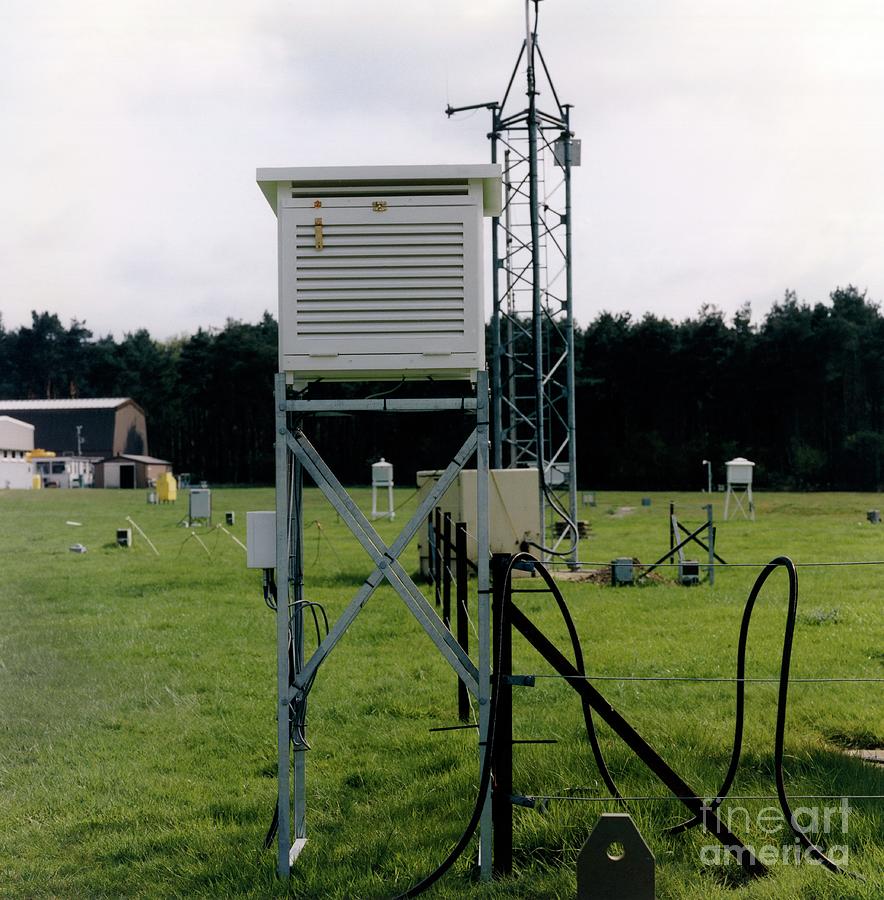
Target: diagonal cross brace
696	540
645	752
385	560
692	536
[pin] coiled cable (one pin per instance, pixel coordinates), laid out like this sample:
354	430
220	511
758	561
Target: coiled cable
782	697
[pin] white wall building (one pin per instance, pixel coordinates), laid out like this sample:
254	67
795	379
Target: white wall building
16	440
64	471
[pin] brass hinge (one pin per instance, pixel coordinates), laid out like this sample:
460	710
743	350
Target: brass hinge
379	205
317	233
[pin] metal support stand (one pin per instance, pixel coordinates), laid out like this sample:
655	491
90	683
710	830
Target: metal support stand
389	512
738	499
295	455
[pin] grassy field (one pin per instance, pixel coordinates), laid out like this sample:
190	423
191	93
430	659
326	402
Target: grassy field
137	732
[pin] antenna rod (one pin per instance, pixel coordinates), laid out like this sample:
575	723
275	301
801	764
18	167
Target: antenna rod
536	307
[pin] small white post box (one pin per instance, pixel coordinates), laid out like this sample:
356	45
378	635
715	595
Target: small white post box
739	475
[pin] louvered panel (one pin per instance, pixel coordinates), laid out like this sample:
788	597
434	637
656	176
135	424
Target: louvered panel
388	303
387	286
414	292
389	275
372	263
335	237
415	328
379	277
408	314
393	228
353	189
306	250
425	243
377	285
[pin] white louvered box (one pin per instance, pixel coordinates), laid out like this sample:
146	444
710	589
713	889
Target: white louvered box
380	269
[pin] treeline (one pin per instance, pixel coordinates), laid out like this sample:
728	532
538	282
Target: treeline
801	393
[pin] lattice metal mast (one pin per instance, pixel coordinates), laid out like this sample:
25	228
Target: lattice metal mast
532	327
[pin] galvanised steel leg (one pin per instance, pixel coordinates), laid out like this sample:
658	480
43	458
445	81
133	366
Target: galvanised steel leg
463	632
570	379
282	633
297	626
484	615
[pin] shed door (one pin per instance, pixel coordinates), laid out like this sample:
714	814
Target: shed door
127	476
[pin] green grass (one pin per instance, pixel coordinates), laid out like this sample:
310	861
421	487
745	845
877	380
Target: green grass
137	731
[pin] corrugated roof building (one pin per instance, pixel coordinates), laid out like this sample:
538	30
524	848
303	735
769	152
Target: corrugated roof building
109	426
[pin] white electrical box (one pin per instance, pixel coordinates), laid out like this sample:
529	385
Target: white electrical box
381	269
261	539
513	509
199	504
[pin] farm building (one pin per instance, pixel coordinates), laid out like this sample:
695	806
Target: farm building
97	428
16	443
129	470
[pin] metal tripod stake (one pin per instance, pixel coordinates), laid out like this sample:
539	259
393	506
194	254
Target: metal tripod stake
294	456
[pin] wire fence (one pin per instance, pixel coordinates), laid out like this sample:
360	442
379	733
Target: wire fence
709	678
672	798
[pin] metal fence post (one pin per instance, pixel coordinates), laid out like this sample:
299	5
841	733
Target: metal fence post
446	570
437	554
502	758
463	633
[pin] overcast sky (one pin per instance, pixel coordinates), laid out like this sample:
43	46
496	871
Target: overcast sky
730	150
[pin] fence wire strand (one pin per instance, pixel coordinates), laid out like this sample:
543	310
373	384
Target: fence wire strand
673	798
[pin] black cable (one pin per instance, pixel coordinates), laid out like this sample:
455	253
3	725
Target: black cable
485	777
297	707
548	550
269	589
470	830
386	393
274	827
553	501
780	727
407	500
578	664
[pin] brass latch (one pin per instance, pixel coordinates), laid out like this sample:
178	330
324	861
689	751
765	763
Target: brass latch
379	205
317	233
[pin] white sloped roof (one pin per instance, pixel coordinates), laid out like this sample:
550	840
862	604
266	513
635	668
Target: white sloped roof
17	422
93	403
